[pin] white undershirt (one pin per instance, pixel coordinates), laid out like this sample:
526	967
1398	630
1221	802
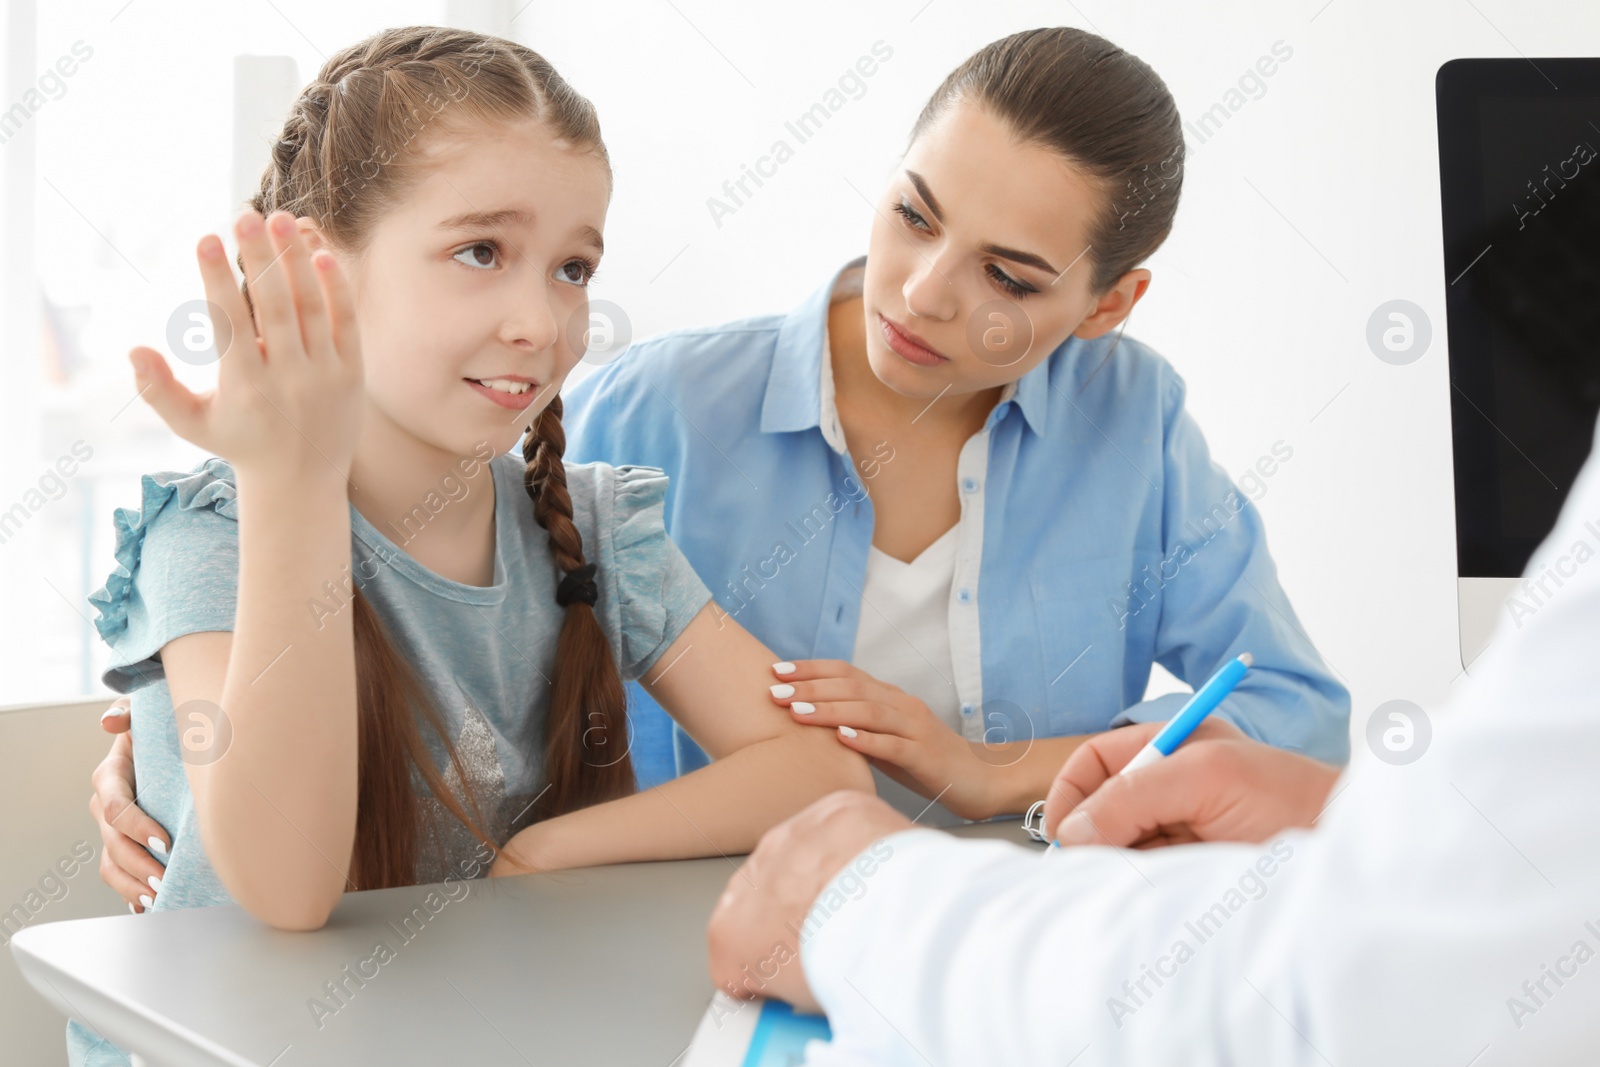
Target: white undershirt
903	637
922	636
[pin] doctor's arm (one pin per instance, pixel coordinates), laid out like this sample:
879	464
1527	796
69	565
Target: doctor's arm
922	948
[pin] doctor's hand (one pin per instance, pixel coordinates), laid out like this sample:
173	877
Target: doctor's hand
754	950
897	733
1218	786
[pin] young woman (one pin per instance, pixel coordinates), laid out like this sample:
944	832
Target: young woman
359	654
972	516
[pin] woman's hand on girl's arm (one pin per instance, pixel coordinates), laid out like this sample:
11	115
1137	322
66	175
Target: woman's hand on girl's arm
903	738
713	680
127	833
895	731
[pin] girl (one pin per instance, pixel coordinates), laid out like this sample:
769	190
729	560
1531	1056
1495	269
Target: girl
979	515
354	658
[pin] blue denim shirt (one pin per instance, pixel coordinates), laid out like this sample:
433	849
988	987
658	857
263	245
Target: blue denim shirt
1111	540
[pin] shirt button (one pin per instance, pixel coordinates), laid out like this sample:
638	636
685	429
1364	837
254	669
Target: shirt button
965	596
969	484
966	709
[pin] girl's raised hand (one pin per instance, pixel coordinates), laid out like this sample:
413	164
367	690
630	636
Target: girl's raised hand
289	386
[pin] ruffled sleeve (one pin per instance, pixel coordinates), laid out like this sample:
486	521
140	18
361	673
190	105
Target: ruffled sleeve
177	569
657	589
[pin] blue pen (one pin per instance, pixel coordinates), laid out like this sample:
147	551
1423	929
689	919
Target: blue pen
1203	703
1181	725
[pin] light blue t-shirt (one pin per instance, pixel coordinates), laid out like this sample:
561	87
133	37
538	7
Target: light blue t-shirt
484	653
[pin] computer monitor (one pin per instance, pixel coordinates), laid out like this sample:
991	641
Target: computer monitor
1519	177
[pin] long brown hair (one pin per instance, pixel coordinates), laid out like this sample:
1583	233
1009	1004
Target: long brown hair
1100	107
349	151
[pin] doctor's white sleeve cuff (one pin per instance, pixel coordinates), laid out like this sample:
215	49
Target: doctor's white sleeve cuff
872	947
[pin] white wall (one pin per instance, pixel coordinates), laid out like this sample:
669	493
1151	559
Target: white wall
1314	204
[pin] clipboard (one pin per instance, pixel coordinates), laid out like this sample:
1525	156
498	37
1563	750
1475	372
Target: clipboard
753	1033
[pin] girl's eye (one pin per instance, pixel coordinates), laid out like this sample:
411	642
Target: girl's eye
578	272
1008	283
907	212
478	262
485	255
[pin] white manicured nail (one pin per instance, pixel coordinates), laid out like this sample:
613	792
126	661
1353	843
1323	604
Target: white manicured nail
846	731
108	713
800	707
783	689
784	668
156	846
155	883
132	910
146	901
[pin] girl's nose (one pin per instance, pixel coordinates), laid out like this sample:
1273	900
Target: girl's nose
535	320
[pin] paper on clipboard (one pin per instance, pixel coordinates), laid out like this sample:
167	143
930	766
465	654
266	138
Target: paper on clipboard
753	1033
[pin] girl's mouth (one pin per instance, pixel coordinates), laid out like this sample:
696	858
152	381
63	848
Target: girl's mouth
510	392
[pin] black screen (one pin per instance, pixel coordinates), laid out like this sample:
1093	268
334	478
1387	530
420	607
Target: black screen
1519	168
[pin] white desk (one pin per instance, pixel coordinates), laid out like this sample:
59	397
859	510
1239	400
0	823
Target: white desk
599	966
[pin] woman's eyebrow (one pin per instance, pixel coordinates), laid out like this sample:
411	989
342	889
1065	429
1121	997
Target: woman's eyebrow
1027	259
926	194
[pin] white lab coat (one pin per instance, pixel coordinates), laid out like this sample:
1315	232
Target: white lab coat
1445	912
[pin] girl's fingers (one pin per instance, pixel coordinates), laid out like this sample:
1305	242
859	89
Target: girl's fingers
183	411
270	296
341	307
295	260
233	336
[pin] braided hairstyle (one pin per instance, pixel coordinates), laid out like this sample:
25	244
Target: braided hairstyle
351	148
588	707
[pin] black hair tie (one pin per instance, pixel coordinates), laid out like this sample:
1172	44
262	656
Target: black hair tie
578	585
